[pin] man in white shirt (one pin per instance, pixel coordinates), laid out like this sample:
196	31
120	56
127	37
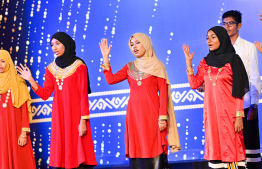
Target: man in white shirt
248	53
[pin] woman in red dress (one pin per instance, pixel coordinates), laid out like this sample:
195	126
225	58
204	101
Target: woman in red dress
226	82
67	76
15	144
149	116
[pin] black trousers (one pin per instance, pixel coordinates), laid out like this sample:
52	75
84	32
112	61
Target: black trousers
252	142
159	162
81	166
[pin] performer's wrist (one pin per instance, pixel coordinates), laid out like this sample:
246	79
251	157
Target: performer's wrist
253	106
106	66
30	79
189	71
240	114
23	134
83	120
162	118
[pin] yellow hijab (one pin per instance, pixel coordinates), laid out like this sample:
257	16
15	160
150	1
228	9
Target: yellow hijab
149	63
10	79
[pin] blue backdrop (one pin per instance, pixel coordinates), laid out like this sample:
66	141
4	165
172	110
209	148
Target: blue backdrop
27	26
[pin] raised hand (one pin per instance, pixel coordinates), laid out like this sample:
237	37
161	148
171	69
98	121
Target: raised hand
24	72
105	49
187	53
259	48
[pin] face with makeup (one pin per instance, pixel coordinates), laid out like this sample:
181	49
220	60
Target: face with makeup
212	41
137	48
57	47
3	65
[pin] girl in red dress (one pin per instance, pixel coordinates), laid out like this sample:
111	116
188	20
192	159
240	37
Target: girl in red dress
149	116
226	83
15	144
67	76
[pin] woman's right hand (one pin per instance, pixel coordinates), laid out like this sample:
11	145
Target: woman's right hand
25	72
187	53
105	49
238	124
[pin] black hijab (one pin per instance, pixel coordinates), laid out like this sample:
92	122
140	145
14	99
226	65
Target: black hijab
227	54
69	56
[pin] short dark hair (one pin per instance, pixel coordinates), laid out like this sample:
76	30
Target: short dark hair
233	13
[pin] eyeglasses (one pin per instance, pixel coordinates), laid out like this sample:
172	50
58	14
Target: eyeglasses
231	23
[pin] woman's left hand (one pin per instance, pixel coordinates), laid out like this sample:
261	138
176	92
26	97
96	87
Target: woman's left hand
82	128
162	124
238	124
22	140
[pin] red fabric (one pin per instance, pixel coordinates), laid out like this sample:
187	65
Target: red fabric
12	120
220	107
68	149
143	138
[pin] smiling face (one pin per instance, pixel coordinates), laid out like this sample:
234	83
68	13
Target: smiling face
2	65
57	47
212	41
137	48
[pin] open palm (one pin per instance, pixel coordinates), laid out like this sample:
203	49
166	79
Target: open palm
105	49
24	72
187	53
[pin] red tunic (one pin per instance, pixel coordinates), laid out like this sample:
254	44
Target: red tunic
68	149
12	121
143	138
220	108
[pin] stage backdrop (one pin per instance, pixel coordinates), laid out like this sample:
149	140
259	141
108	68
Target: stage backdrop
26	28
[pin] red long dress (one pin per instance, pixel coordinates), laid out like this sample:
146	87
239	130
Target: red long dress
12	121
220	108
143	138
68	149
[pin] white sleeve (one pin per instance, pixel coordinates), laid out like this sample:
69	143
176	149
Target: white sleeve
254	79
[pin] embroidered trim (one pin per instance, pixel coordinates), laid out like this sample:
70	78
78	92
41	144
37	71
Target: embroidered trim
189	71
85	117
26	129
132	74
71	69
240	114
162	117
106	66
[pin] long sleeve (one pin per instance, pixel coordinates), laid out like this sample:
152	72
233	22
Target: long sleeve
195	81
163	97
254	77
117	77
48	87
83	89
240	107
25	118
